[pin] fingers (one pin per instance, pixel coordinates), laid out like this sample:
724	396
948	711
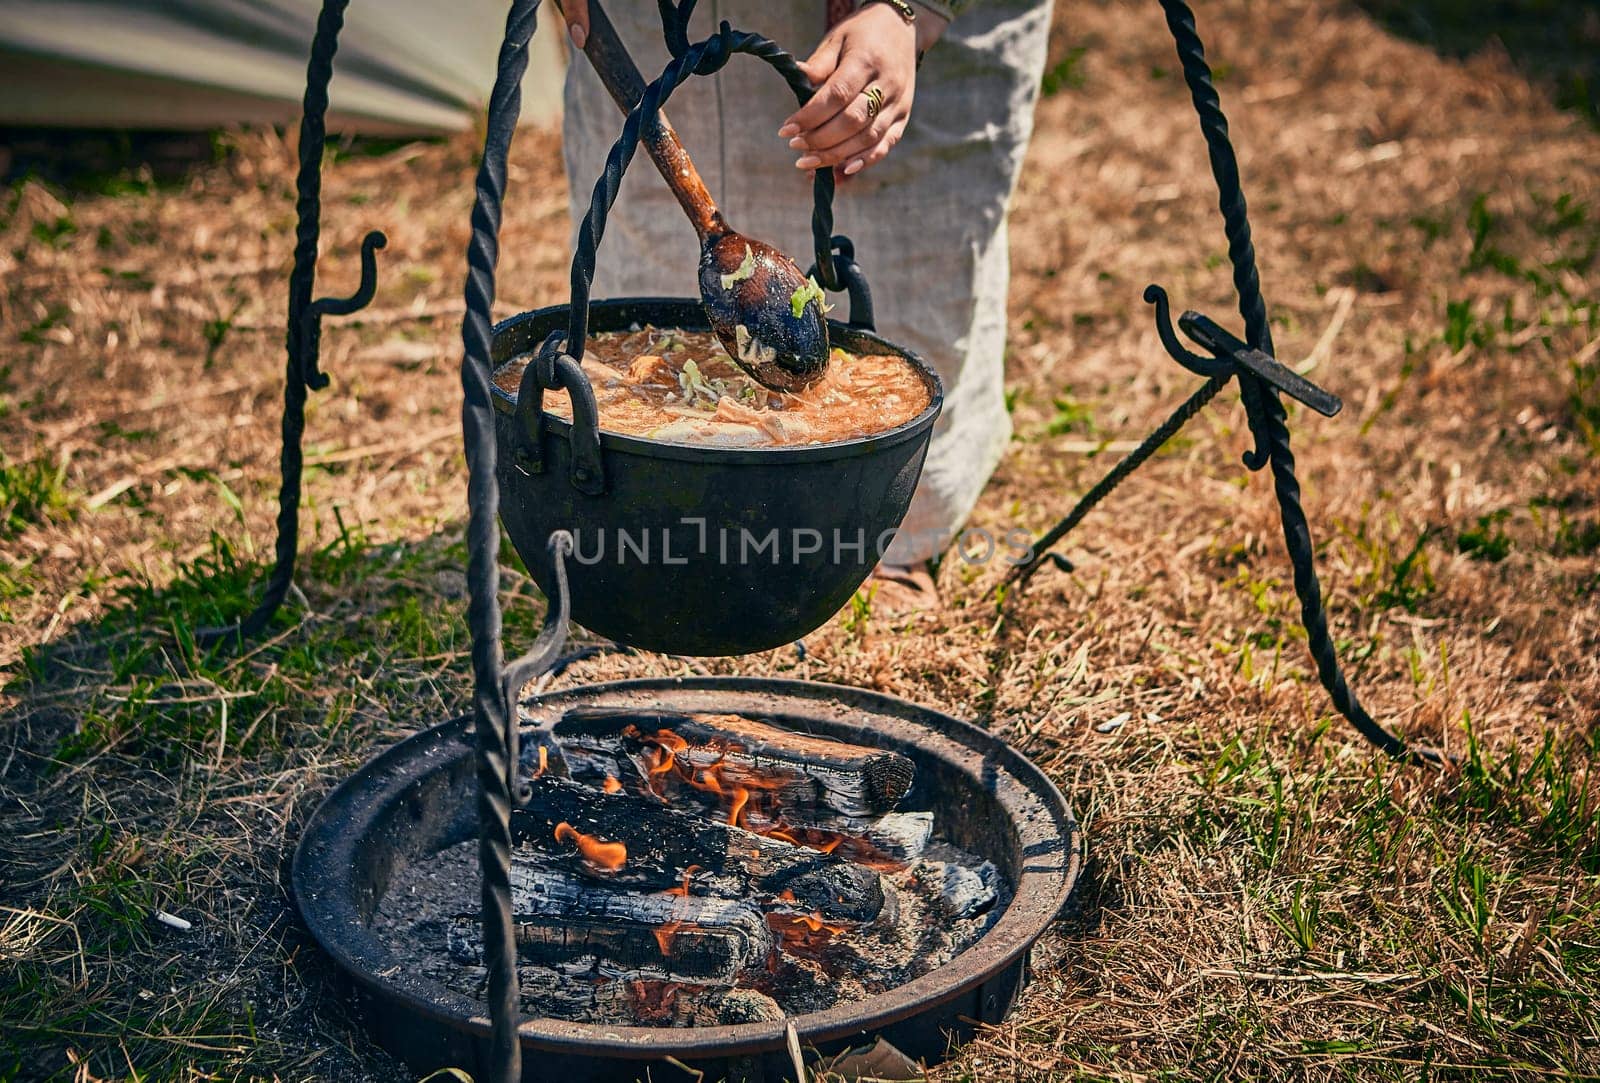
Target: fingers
577	15
854	149
869	148
873	47
820	64
842	88
879	151
852	131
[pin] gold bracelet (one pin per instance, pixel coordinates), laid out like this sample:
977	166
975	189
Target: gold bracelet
901	7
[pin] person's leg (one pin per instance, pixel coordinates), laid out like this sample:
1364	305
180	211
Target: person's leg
930	229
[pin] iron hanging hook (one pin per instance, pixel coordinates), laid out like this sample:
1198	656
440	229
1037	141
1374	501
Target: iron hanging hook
1200	366
310	318
1213	368
1238	354
553	636
1231	354
1260	374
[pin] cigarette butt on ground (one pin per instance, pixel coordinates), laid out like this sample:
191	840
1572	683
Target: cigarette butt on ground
173	921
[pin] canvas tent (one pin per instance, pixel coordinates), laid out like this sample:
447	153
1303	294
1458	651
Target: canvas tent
404	66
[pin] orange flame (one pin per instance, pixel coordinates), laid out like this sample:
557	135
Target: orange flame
665	934
611	785
667	931
814	922
662	738
671	759
750	798
688	875
741	797
610	856
814	838
804	935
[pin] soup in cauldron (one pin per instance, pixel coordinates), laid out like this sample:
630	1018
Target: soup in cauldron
680	387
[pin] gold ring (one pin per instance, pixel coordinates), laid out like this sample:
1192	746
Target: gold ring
874	100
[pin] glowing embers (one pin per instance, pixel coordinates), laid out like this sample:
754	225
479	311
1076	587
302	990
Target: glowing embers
805	935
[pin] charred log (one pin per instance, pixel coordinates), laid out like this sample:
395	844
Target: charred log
633	843
886	843
642	1001
562	920
814	772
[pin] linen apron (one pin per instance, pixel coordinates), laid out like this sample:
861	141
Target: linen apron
928	222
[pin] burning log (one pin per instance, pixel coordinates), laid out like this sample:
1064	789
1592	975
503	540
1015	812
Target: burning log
563	919
888	842
809	772
633	843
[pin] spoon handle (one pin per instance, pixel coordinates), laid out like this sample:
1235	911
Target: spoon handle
622	80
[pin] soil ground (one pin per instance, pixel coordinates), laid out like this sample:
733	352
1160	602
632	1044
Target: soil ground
1264	896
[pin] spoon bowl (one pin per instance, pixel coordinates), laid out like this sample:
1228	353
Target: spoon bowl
767	314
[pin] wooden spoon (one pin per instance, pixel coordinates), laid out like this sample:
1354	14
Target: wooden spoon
750	290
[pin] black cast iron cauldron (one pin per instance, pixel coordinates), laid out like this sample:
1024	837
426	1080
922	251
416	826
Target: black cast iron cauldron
697	549
418	798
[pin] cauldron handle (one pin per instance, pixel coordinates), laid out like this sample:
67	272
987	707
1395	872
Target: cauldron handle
841	260
704	58
548	369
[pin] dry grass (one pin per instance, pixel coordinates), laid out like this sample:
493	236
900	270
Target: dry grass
1263	898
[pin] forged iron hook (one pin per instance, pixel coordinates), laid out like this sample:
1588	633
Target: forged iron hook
1195	363
539	659
345	306
311	317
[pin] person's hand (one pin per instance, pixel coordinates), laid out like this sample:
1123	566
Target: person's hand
576	13
873	47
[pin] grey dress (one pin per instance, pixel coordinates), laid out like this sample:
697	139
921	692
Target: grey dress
928	222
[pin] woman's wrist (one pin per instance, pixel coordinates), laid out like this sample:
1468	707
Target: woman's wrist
927	19
930	28
932	18
936	9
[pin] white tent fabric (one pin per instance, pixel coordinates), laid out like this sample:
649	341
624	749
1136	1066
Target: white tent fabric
404	66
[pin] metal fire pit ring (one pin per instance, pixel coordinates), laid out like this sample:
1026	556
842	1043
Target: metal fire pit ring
418	797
